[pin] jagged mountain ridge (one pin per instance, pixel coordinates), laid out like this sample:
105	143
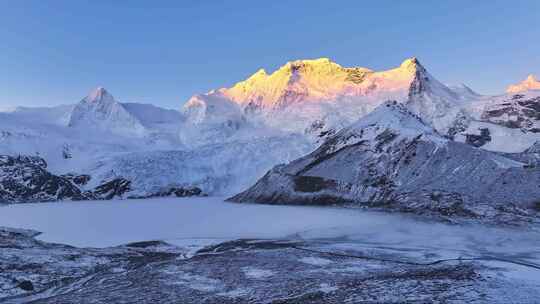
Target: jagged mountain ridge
320	97
323	80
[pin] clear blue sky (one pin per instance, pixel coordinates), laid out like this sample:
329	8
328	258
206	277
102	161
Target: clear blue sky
162	52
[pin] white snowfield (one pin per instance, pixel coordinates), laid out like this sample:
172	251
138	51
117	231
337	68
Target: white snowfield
224	140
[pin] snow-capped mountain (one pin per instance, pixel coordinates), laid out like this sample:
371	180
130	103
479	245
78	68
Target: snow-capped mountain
528	84
392	159
320	97
74	137
100	110
221	141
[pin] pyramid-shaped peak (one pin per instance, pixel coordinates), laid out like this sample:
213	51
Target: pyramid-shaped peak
98	94
411	64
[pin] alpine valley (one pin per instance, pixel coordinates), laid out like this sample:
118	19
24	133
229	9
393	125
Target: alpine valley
311	132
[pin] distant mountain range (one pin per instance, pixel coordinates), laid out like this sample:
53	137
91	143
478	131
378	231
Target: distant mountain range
222	141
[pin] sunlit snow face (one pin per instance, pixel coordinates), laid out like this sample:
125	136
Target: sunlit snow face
319	80
528	84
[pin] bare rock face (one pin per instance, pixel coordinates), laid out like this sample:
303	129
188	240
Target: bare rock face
111	189
173	192
519	111
534	148
391	159
78	179
478	140
25	179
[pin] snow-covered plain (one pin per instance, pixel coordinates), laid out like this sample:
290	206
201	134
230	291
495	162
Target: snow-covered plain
196	222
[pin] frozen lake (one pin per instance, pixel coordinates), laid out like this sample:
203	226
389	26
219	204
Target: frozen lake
109	223
194	222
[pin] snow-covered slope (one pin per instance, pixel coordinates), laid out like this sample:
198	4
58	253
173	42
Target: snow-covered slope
210	119
100	110
508	122
223	168
59	115
392	159
151	116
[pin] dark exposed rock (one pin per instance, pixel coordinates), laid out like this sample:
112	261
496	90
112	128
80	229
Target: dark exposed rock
312	183
356	75
173	191
25	179
519	112
478	140
34	160
79	180
66	152
26	285
535	148
111	189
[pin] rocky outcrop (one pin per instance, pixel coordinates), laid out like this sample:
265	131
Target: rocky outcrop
392	159
535	148
117	187
478	140
173	192
518	111
77	179
25	179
